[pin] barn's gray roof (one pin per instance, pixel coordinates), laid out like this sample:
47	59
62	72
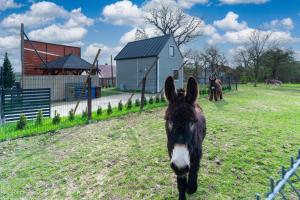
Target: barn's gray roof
68	62
149	47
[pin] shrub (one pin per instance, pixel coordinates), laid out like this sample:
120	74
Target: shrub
157	99
21	124
39	118
137	102
120	105
99	111
162	97
71	115
109	109
56	119
84	113
151	101
129	104
145	101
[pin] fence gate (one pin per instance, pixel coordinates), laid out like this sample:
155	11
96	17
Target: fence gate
25	101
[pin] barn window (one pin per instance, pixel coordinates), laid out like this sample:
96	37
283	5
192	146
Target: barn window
171	51
176	74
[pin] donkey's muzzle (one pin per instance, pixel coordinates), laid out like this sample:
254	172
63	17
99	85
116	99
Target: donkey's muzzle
180	161
180	171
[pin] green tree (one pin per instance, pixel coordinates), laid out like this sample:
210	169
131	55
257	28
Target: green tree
8	73
275	59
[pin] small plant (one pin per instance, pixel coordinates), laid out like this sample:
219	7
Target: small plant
120	105
84	113
145	101
99	110
71	115
129	104
39	118
162	97
21	124
157	99
56	119
151	101
137	102
109	109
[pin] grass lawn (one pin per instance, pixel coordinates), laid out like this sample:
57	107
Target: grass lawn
110	91
250	135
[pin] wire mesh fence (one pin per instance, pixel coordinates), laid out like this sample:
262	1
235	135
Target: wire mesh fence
287	187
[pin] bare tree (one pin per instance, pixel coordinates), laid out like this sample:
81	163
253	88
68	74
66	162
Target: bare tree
213	59
140	34
195	61
256	46
169	20
242	58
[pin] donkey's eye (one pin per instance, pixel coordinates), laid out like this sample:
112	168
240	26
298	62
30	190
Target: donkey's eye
192	126
170	125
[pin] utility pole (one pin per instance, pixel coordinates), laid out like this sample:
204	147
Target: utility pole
112	72
22	54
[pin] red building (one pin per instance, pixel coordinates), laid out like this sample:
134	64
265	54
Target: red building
49	52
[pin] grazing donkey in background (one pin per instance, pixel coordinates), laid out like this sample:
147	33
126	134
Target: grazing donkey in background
186	129
215	89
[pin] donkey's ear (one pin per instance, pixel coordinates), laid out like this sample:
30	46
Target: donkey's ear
170	89
191	91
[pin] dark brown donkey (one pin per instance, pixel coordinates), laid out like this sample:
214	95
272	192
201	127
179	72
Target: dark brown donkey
215	89
186	129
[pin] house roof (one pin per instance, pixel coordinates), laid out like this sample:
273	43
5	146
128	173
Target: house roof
105	71
149	47
70	61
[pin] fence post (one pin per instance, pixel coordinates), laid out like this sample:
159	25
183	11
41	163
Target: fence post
89	102
143	93
236	84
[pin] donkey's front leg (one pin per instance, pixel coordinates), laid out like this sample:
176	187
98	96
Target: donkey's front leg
215	95
211	95
193	176
181	185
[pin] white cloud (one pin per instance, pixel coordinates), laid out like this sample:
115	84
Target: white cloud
126	13
58	34
190	3
297	55
9	42
40	13
230	22
8	4
286	23
241	37
122	12
78	19
130	35
243	1
91	51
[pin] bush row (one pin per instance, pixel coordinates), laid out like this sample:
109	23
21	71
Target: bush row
22	122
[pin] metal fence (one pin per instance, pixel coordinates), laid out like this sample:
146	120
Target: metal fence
288	186
27	102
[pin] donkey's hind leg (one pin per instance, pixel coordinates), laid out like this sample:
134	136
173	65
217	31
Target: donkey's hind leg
221	95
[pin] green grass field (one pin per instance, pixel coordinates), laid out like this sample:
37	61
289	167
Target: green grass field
250	135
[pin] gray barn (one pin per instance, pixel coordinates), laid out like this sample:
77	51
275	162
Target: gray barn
137	57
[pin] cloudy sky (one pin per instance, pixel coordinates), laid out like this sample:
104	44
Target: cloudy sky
109	25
